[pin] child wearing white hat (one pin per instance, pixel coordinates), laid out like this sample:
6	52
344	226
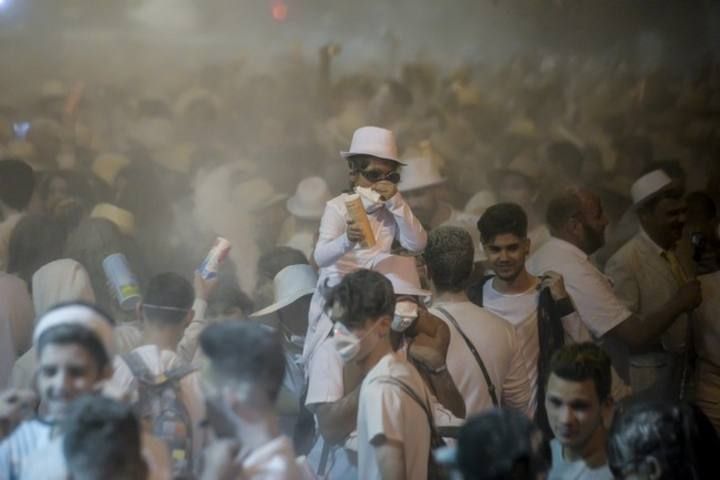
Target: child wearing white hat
373	162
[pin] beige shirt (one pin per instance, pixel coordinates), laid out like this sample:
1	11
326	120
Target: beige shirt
644	282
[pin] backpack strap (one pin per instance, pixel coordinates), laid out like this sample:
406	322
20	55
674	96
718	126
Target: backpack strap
425	405
475	291
142	373
476	354
137	367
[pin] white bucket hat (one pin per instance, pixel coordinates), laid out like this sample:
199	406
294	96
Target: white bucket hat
402	273
420	171
291	283
310	198
648	186
375	141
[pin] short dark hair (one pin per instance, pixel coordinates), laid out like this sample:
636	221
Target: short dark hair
502	218
449	256
76	334
271	263
171	291
361	296
501	444
17	182
102	439
583	361
701	206
35	241
228	295
561	208
246	351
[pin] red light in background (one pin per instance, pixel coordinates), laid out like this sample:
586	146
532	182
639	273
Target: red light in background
279	11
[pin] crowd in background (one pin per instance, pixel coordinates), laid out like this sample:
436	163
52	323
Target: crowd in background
541	150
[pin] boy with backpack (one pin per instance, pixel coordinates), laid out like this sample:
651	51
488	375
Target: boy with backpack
164	390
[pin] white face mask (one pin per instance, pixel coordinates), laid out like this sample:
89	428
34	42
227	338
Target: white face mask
405	314
347	344
370	198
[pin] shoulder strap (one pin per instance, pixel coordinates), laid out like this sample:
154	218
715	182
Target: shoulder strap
476	354
179	371
137	366
412	394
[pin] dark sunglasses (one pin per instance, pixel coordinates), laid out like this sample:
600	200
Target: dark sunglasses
375	176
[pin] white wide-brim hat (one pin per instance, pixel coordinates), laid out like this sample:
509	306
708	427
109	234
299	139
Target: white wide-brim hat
310	198
402	273
374	141
290	284
648	186
419	172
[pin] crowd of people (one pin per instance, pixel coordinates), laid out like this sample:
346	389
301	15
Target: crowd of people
515	276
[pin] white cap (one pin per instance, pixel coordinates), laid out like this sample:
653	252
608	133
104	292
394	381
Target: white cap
648	186
81	315
291	283
375	141
310	198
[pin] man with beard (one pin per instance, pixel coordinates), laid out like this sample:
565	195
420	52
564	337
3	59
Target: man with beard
520	298
577	223
650	277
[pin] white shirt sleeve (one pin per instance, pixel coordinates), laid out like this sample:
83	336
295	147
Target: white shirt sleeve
188	344
332	241
599	308
411	233
325	375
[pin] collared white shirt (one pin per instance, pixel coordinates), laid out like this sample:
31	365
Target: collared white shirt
591	291
599	309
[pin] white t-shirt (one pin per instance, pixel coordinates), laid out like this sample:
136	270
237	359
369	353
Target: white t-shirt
520	310
158	362
326	385
563	470
387	412
27	438
498	346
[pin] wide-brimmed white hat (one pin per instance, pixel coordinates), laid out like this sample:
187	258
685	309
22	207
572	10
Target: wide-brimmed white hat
291	283
256	194
375	141
420	171
310	198
648	186
402	273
